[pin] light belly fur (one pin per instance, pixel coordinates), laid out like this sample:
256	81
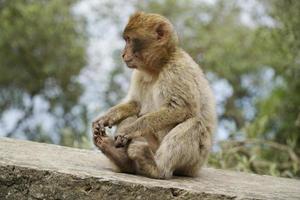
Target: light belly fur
150	103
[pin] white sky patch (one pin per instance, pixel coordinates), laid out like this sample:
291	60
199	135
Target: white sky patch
9	119
40	117
254	13
104	39
221	89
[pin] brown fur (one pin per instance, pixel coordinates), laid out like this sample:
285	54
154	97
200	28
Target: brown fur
170	105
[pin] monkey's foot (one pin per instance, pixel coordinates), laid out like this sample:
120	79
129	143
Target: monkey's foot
104	143
98	130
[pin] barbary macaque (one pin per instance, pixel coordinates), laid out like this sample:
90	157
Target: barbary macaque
165	124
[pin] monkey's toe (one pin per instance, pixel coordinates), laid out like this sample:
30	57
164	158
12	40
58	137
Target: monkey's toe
104	143
99	132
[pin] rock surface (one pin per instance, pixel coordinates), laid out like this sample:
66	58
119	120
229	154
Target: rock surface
30	170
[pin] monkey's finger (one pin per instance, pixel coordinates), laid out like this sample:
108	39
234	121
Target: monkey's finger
103	133
96	135
98	126
118	141
99	133
101	126
96	132
100	129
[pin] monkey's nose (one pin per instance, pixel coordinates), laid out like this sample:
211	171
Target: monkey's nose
128	61
126	58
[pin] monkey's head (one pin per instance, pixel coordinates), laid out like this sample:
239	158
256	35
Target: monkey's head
150	40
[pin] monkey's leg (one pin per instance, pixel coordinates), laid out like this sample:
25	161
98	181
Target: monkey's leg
126	122
116	155
140	151
184	149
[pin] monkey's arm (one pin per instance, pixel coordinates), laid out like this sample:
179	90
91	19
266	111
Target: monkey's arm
115	115
155	121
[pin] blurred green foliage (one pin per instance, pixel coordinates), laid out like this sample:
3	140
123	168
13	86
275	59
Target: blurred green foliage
42	50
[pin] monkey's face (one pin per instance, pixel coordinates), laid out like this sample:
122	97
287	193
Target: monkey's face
132	53
137	49
149	39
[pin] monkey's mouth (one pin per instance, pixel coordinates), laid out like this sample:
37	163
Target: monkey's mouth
131	66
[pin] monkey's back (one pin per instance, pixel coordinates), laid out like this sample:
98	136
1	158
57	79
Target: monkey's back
191	88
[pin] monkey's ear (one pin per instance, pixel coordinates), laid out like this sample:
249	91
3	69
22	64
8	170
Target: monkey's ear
162	30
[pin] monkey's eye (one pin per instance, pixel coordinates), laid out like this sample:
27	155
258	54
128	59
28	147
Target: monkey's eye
127	39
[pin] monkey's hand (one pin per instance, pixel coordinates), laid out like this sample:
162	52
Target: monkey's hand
123	138
98	136
100	123
122	141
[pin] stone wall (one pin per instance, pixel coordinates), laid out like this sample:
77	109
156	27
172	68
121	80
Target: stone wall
30	170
